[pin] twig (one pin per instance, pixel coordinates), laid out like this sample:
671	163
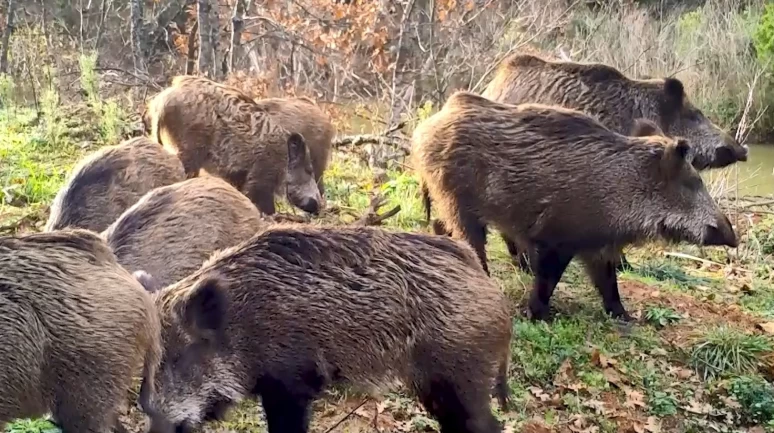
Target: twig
700	260
406	14
372	217
352	412
760	203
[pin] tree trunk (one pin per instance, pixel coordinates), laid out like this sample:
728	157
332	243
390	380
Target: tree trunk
207	40
191	60
136	18
237	24
7	36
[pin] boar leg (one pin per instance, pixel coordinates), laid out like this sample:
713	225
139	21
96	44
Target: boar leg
287	399
455	394
520	258
549	267
469	228
601	270
261	196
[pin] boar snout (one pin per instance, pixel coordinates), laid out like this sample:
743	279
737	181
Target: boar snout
722	233
310	205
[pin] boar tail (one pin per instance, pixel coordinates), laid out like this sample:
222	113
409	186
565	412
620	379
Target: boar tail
425	200
501	390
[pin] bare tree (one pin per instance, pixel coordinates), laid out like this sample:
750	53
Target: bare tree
237	24
136	19
191	55
207	39
7	36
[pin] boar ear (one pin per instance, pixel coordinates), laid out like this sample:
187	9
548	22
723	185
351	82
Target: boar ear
296	149
675	93
675	155
204	311
644	127
151	284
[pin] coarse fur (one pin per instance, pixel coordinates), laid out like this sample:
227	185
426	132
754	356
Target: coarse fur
107	182
616	101
218	129
173	230
640	128
557	182
77	327
298	308
301	115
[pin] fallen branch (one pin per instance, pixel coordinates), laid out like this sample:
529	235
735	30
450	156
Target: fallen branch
760	203
372	216
359	140
383	138
700	260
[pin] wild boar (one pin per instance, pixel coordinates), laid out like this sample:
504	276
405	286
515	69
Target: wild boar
557	182
218	129
297	308
615	100
301	115
108	181
76	327
174	229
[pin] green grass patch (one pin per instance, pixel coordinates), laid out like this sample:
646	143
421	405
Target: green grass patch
725	350
661	317
756	397
32	426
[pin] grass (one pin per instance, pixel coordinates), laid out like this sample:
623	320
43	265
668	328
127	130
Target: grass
725	350
581	369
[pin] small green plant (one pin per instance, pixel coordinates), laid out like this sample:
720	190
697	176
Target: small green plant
110	122
763	38
49	107
89	80
726	350
662	404
32	426
661	316
668	271
756	396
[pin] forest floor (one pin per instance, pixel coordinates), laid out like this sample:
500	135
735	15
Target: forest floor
699	357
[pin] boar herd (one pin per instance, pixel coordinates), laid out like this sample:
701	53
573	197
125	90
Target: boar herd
160	259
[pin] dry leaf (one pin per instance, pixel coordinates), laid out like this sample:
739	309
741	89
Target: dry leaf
564	374
767	327
698	408
535	426
684	373
730	402
598	406
600	360
653	425
612	376
633	399
539	393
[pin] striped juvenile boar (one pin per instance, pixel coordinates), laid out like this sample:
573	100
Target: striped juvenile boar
173	230
75	328
558	182
616	101
301	115
107	182
298	308
218	129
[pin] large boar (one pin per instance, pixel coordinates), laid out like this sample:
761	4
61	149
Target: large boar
557	182
218	129
75	327
298	308
616	101
107	182
301	115
172	230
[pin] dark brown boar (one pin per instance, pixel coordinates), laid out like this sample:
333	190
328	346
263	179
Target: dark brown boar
107	182
76	327
616	101
298	308
557	182
218	129
174	229
301	115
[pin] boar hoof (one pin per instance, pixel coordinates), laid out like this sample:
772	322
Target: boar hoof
620	313
538	311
